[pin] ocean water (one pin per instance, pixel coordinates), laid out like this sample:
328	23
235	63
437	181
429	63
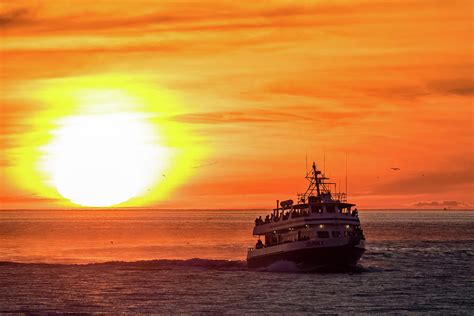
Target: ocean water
193	262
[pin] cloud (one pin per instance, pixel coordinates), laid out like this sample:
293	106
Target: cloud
306	114
442	204
24	199
191	17
175	18
254	116
14	17
397	89
178	16
457	86
435	182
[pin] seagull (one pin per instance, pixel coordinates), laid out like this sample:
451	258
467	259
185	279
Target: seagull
395	168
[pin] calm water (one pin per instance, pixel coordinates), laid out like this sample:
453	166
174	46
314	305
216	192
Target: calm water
193	262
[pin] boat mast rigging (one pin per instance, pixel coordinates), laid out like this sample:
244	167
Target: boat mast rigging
318	187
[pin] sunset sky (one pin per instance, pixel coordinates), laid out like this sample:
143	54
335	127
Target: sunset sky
229	97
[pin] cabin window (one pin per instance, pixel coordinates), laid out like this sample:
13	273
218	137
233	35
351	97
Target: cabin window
323	234
330	208
336	234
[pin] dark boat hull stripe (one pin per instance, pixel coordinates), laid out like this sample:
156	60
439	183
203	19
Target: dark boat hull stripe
311	258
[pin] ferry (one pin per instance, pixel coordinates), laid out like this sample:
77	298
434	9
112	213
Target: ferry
321	230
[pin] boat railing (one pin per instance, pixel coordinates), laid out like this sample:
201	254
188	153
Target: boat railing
293	213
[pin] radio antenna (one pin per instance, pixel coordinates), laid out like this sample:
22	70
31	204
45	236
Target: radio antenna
324	162
306	164
346	177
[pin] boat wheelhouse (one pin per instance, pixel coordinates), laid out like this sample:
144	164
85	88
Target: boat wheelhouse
321	230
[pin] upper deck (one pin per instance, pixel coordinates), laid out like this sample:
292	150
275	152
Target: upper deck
316	205
307	214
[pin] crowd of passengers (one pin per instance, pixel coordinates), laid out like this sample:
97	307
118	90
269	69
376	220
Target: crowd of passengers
294	213
272	240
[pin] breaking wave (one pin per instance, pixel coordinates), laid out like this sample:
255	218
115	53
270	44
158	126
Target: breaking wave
160	264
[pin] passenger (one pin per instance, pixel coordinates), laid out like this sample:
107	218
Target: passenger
355	213
267	219
256	221
259	244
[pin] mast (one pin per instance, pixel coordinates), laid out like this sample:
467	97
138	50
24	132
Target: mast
315	175
346	178
318	186
306	164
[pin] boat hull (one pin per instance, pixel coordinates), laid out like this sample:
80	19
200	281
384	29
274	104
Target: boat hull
308	259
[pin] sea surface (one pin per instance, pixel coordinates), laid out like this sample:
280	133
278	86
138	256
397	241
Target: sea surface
193	262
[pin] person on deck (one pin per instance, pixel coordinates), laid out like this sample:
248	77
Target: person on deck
355	213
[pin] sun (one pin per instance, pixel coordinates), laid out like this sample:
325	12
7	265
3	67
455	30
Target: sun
105	159
105	140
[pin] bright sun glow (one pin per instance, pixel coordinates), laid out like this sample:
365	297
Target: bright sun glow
105	140
103	160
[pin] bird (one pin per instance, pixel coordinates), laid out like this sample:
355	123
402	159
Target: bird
395	168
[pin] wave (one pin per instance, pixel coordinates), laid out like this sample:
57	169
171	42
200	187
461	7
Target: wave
196	263
162	264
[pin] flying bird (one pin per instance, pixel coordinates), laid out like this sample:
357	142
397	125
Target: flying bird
395	168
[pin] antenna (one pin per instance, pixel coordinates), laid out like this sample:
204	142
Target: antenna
346	177
324	160
306	164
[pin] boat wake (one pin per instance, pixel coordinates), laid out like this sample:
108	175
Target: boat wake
291	267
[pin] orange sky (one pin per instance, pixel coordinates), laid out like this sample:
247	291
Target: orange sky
389	83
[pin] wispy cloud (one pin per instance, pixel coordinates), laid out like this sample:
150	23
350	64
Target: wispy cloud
250	116
428	183
305	114
456	86
14	17
444	204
